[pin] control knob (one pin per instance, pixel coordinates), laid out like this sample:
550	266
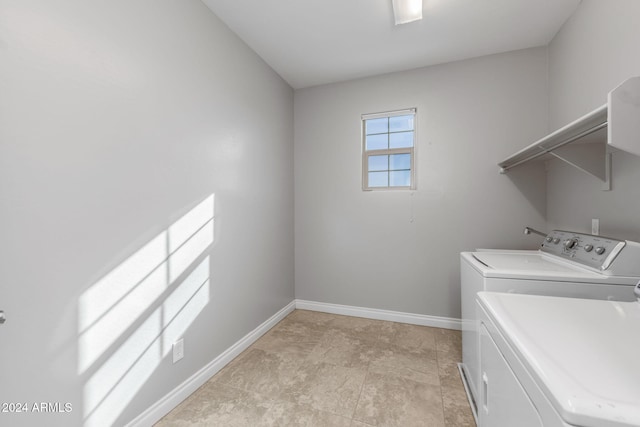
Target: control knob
549	239
600	250
556	240
588	247
570	243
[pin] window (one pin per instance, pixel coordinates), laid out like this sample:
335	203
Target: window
388	141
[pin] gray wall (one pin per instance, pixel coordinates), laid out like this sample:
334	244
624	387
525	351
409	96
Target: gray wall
595	51
116	119
398	250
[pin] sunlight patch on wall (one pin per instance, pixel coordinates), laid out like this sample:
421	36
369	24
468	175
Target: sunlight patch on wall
109	307
128	320
186	254
116	382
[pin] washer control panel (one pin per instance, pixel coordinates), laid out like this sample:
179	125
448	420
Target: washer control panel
593	251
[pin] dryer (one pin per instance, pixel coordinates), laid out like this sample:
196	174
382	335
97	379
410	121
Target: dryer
558	362
568	264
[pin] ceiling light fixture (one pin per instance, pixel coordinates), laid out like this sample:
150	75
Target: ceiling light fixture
406	11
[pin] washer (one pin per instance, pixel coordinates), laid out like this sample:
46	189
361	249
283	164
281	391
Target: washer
558	362
567	264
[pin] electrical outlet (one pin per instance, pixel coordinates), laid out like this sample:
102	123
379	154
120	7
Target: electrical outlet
178	350
595	226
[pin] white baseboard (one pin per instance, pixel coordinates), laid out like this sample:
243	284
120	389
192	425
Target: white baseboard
163	406
374	313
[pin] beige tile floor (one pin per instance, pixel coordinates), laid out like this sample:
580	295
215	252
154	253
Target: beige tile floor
318	369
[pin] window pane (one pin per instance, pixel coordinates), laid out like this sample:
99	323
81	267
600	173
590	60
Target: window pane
378	179
377	125
401	140
378	163
400	123
377	142
400	178
398	161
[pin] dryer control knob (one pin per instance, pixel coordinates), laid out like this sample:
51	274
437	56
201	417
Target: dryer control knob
588	248
570	243
556	240
600	250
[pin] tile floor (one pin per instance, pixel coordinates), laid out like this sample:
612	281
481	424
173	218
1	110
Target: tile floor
318	369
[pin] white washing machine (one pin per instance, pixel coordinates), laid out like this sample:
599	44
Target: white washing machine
567	264
558	362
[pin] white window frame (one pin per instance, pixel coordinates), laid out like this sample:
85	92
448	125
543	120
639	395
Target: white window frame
388	151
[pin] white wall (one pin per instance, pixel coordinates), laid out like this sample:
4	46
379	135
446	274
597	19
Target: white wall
116	119
399	250
595	51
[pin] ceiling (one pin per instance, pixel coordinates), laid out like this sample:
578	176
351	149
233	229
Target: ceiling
312	42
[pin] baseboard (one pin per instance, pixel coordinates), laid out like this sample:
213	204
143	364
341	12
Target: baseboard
373	313
163	406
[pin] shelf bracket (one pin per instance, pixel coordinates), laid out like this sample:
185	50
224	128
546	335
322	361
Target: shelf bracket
593	159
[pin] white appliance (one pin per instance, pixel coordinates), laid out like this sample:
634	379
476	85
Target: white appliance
558	362
567	264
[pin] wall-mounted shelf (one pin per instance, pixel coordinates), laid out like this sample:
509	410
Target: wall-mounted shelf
585	143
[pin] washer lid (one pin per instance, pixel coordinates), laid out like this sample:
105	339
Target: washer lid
531	265
582	353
